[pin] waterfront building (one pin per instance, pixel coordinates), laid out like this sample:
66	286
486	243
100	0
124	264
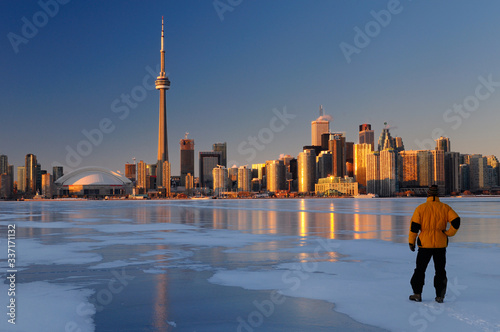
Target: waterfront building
5	185
495	165
306	163
130	172
47	185
187	158
425	168
93	182
232	173
451	172
373	172
336	144
464	177
389	185
244	179
409	169
336	186
220	177
222	148
349	159
30	174
275	175
360	159
21	178
4	164
324	164
439	170
141	177
207	162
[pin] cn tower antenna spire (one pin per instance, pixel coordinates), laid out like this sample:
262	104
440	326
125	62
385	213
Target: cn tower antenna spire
162	34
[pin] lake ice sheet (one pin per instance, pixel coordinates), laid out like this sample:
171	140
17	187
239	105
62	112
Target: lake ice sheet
243	265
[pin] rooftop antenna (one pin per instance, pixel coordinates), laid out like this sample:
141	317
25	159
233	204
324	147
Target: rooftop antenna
133	159
186	135
321	113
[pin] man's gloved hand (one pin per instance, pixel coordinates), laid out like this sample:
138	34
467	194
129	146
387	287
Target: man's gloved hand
412	246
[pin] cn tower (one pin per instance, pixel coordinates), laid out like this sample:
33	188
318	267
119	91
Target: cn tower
163	84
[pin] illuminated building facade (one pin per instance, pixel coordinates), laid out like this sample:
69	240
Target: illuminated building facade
306	164
275	175
360	161
187	158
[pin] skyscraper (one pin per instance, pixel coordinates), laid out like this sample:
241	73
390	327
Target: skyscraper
21	178
474	171
443	144
409	169
4	164
366	135
349	159
360	161
275	175
30	174
439	170
425	168
451	172
187	158
47	185
386	141
162	84
495	165
464	177
320	126
57	172
220	178
336	144
208	161
244	178
222	148
232	182
324	164
373	173
306	164
388	172
399	146
141	177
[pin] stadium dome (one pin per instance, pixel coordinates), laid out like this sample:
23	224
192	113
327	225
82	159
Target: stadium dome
93	181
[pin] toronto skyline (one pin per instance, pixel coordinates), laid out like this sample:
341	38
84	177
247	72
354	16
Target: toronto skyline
77	72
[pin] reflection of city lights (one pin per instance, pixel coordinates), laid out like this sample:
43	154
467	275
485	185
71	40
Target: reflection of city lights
161	302
332	225
357	227
302	225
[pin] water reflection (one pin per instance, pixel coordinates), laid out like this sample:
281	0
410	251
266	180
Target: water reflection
161	303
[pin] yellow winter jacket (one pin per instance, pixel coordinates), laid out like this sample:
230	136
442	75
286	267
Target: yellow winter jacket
431	219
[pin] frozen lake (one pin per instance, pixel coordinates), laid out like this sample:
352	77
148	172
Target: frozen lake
241	265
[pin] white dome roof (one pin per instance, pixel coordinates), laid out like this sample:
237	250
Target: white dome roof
93	176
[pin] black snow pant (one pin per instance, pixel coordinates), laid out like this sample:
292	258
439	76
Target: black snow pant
423	257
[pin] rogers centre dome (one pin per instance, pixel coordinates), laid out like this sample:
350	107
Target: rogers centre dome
93	182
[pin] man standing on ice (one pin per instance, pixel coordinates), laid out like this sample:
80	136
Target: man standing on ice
431	219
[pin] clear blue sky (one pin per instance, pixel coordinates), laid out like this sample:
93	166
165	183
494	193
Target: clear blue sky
229	74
